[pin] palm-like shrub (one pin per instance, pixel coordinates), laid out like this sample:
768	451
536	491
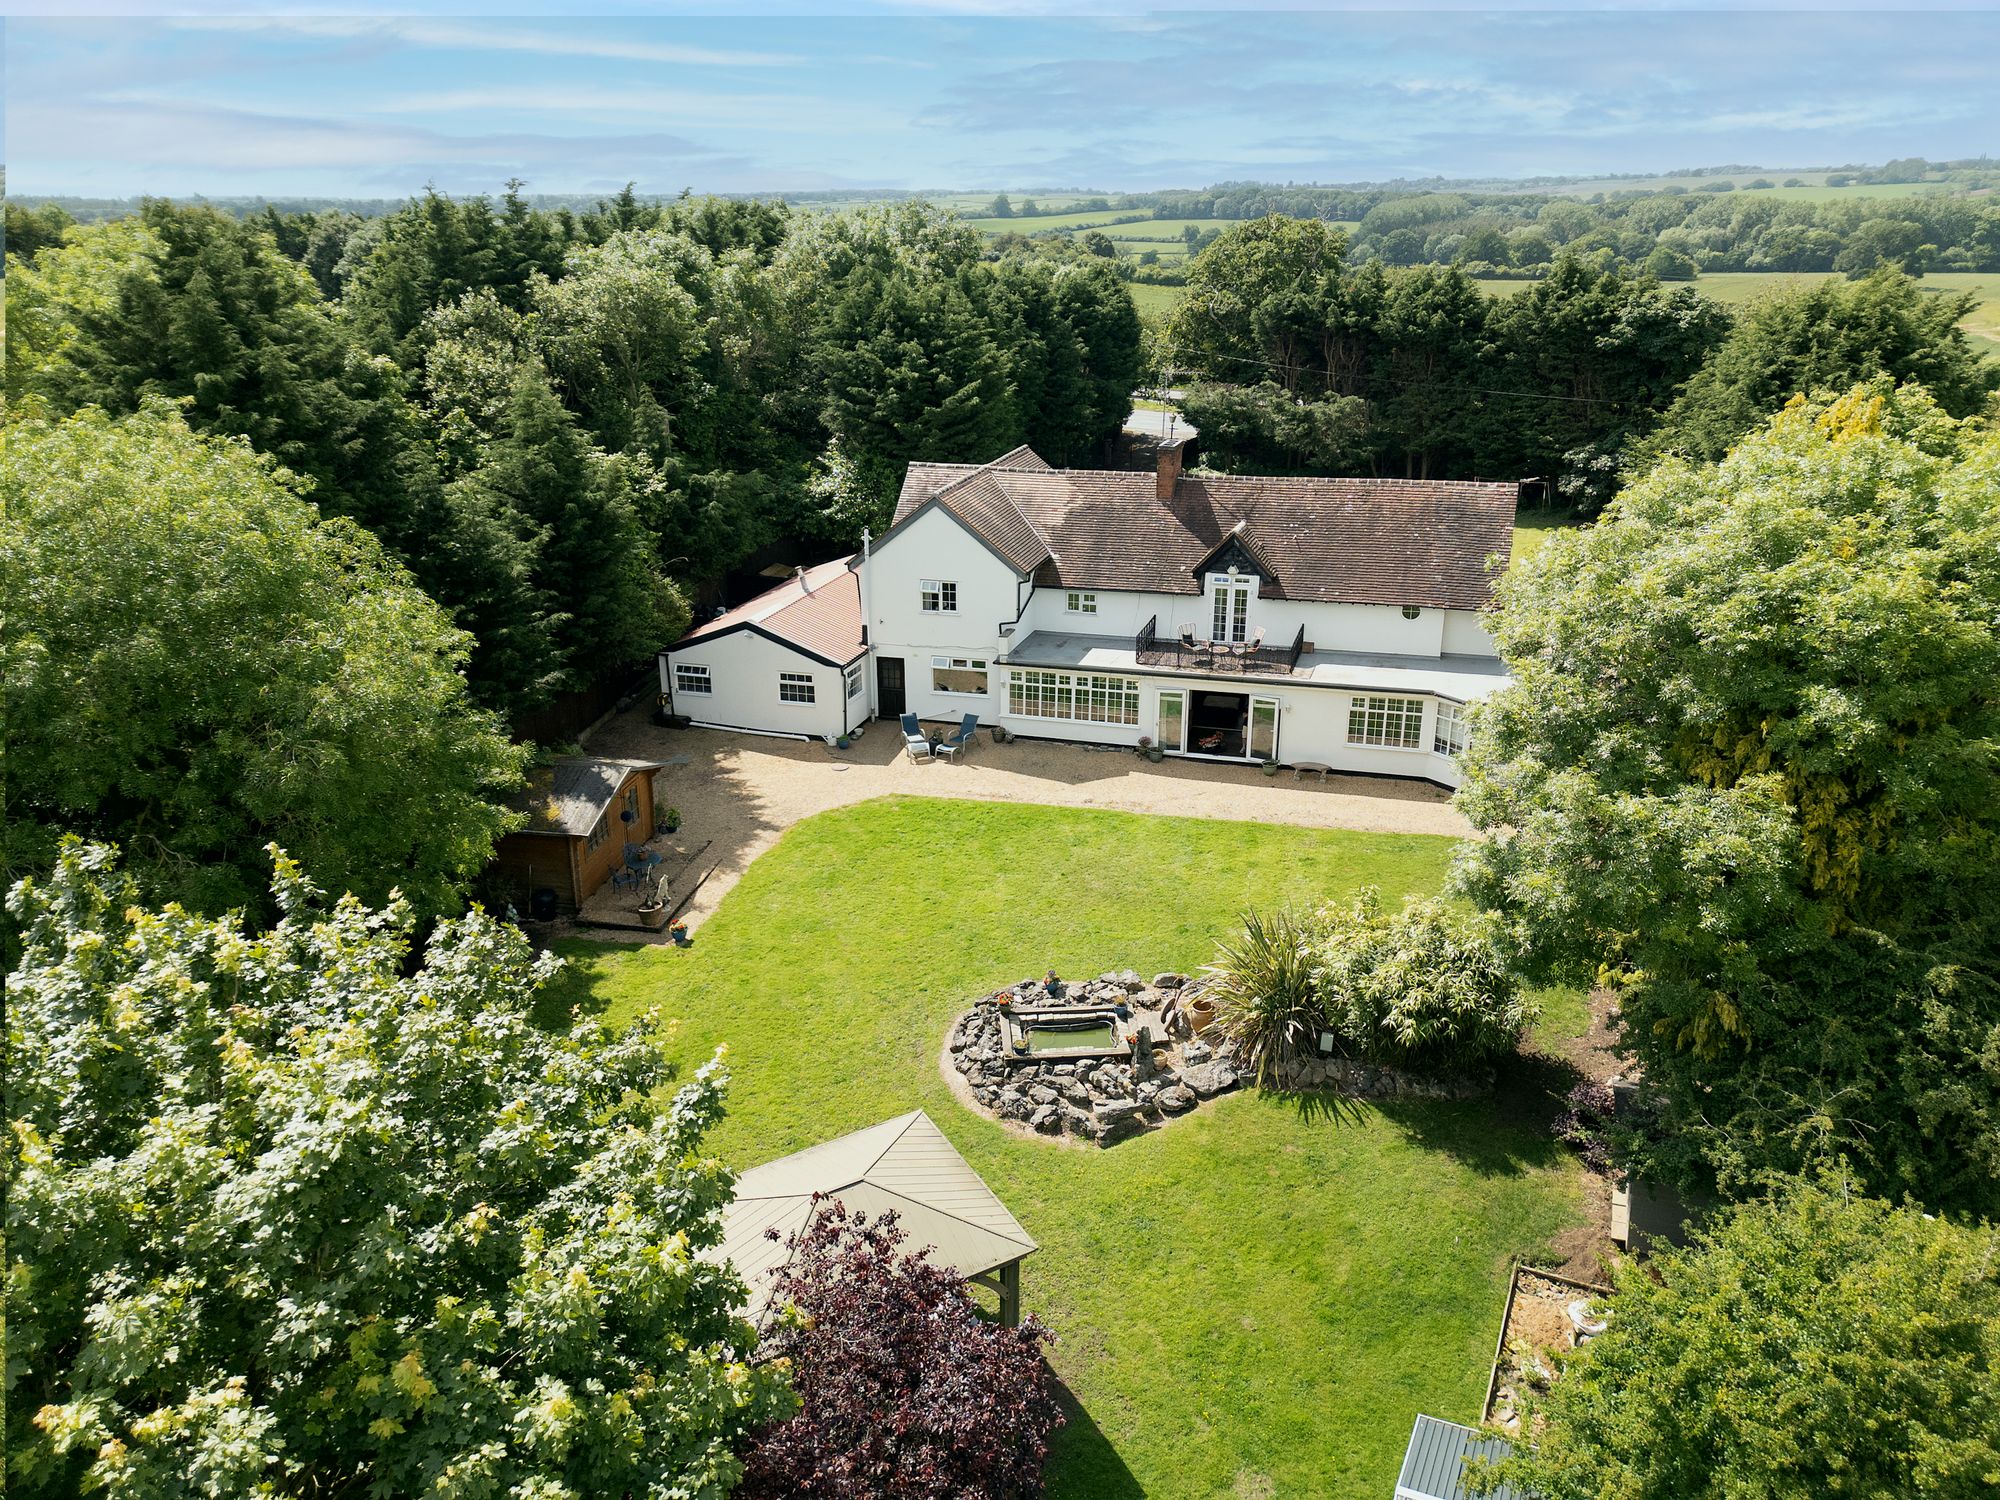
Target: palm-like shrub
1267	1004
1422	988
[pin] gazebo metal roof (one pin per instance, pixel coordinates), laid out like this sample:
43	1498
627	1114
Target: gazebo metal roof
905	1164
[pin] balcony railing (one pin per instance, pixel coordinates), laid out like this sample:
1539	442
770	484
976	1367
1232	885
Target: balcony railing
1184	653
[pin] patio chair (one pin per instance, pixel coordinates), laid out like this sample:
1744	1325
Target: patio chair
951	744
1248	648
915	743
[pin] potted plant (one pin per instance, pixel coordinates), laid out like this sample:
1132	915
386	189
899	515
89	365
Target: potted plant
1270	768
842	743
679	933
669	821
1150	750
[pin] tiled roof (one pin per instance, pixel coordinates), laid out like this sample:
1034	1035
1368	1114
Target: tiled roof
571	794
981	500
1342	541
819	611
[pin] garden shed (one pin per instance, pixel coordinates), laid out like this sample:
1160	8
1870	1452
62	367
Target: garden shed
1434	1463
904	1164
576	829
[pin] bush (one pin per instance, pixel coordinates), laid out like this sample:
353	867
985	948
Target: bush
1267	1003
1425	988
907	1392
1818	1344
1582	1123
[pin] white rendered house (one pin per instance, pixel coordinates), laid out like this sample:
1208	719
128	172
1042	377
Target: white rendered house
1318	621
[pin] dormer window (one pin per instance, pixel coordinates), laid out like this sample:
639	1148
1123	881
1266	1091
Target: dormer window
1229	605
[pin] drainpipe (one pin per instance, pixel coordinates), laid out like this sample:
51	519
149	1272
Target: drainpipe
867	632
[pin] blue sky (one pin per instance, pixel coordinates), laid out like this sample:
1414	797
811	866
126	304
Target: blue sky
973	94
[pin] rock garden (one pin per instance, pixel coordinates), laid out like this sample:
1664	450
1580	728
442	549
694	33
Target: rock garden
1145	1067
1104	1059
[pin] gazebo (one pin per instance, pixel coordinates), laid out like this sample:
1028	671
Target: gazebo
905	1164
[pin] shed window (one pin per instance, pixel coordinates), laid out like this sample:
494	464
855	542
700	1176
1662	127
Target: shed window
958	674
599	831
796	687
939	596
854	680
689	678
1397	723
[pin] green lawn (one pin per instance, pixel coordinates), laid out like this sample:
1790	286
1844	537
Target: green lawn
1256	1300
1156	303
1533	527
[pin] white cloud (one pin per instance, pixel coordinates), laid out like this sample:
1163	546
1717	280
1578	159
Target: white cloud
480	36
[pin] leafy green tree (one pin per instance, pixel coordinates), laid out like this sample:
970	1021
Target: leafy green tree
434	251
1257	301
1263	429
198	662
1827	336
601	598
1581	363
1669	264
202	309
289	1213
1821	1344
912	373
1745	772
1000	208
1433	328
31	230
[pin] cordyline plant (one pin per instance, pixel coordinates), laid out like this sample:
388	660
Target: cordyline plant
907	1392
288	1215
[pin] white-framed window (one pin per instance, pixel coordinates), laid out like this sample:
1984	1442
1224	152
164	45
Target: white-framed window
691	678
1077	602
1411	612
939	596
1078	696
1397	723
796	687
854	680
958	674
1449	731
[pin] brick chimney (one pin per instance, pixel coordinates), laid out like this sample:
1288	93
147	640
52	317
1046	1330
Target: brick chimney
1168	473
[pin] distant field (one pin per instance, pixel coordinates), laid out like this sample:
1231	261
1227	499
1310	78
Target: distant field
1734	288
1080	219
1156	303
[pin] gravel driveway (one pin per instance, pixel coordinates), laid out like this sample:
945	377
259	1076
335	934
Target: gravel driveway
741	791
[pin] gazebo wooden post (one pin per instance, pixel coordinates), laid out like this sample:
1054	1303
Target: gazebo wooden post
1010	1295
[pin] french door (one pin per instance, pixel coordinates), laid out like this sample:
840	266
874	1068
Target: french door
1263	729
1229	606
1172	727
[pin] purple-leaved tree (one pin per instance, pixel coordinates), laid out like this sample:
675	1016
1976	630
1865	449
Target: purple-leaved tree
907	1392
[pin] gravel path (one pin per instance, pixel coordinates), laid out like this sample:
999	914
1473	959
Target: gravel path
742	791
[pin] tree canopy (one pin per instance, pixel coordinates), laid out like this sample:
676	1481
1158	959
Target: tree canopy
1745	772
292	1215
197	662
1820	1345
1307	363
1828	336
905	1392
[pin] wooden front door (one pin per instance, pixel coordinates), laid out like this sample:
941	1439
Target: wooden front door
889	699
